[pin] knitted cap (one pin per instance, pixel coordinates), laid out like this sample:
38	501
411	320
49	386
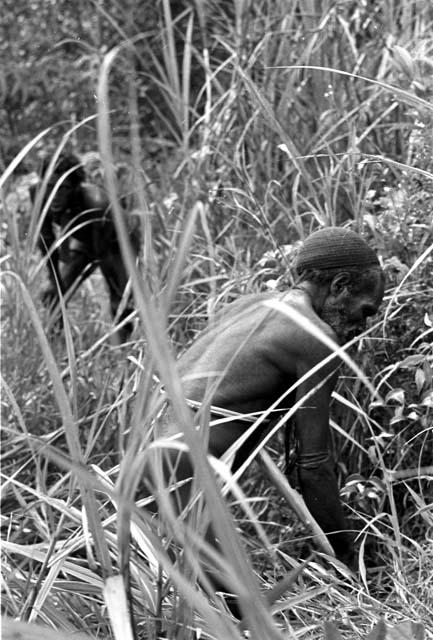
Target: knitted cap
334	247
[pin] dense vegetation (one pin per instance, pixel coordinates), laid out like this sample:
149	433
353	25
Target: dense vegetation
233	129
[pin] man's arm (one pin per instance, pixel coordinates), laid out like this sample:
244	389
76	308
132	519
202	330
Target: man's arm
315	465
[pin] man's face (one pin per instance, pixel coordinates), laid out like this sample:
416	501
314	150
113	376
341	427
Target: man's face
346	311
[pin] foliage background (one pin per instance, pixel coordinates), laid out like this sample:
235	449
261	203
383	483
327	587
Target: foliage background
267	119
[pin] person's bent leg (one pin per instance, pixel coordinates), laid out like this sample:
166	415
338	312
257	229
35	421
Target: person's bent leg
176	469
75	266
116	277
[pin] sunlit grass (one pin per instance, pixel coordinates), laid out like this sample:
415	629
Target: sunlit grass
80	412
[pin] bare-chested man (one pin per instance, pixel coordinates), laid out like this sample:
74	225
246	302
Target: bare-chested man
253	354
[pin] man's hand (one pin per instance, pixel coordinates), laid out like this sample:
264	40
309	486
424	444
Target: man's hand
320	491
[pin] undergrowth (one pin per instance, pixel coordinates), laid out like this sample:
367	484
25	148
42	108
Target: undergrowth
267	150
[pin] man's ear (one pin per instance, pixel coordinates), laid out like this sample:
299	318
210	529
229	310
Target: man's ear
340	282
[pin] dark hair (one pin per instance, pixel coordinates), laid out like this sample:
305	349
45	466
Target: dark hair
358	275
65	162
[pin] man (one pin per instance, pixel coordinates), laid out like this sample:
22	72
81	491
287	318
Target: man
80	211
253	354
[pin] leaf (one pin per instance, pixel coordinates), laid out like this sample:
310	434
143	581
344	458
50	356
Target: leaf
404	61
427	401
412	361
361	562
419	379
372	454
395	395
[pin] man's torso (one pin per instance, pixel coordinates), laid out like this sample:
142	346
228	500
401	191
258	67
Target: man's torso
247	361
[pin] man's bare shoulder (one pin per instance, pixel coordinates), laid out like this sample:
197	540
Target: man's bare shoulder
260	306
302	303
245	302
296	326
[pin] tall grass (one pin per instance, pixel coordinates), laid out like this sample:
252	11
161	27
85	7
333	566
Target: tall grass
281	142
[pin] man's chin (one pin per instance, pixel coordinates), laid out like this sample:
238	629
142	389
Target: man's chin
343	332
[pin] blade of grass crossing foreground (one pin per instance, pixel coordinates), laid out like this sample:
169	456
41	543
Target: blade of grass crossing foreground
170	59
186	78
252	603
181	255
147	232
406	96
117	605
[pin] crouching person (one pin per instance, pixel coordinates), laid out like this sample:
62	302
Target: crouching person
78	235
253	354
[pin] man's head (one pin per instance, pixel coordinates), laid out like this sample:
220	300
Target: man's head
347	278
66	176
